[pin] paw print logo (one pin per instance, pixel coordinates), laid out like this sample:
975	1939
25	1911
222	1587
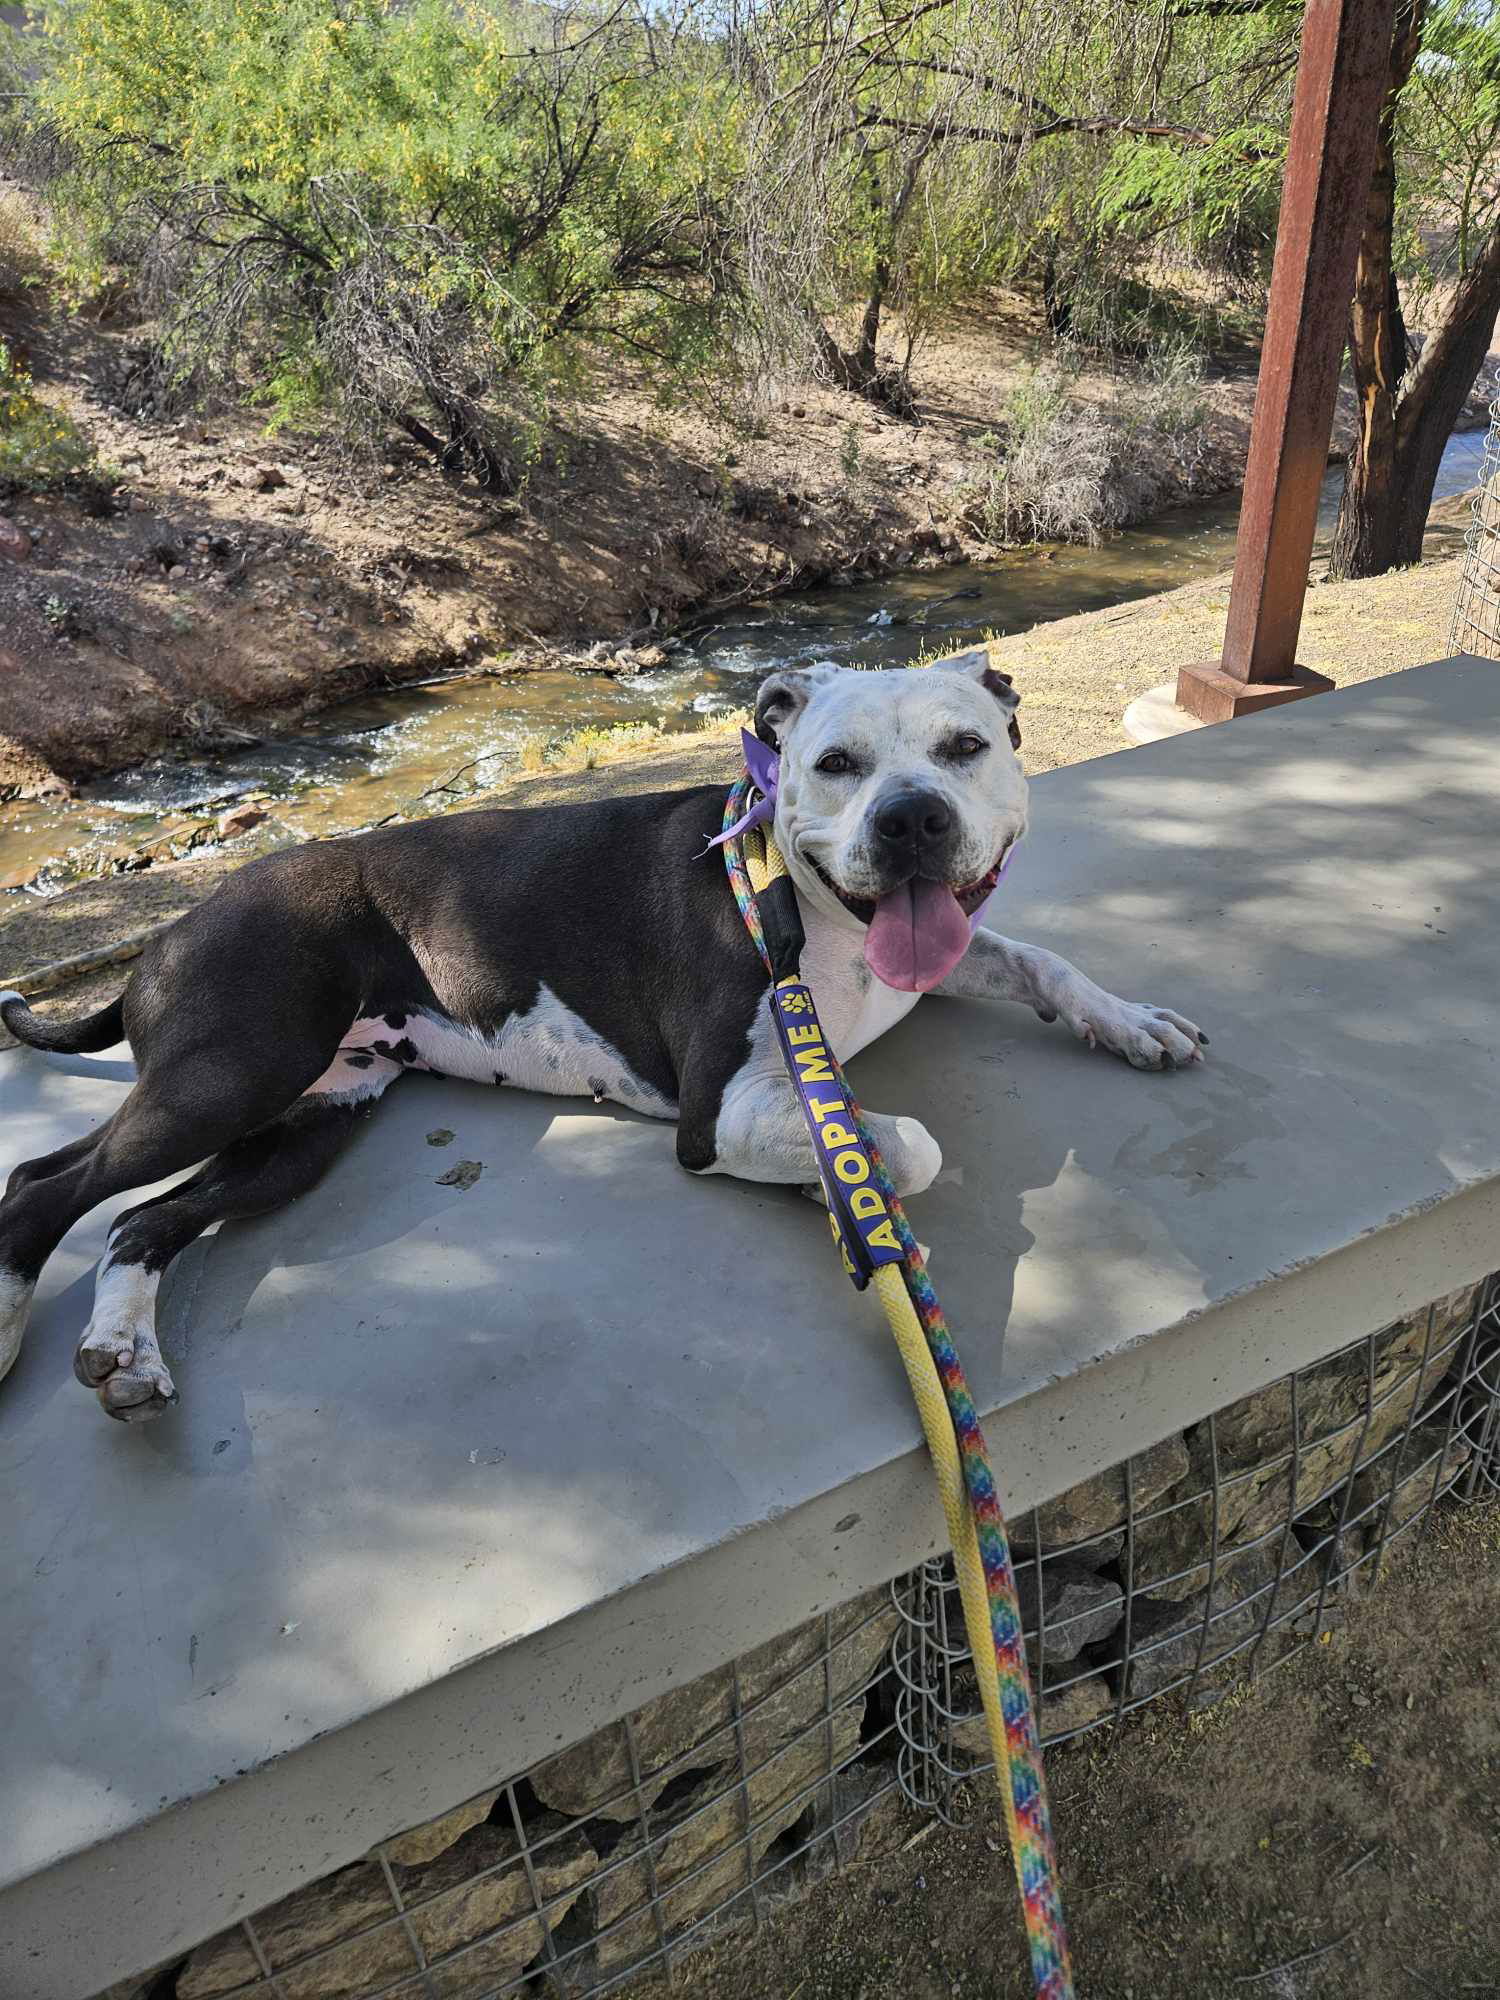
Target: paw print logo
796	1003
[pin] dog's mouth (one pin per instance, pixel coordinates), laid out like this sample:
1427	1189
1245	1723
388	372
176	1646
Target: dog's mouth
916	933
969	896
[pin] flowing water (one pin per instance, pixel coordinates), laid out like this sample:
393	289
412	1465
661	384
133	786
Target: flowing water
376	755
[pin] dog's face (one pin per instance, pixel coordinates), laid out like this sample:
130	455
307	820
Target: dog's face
900	796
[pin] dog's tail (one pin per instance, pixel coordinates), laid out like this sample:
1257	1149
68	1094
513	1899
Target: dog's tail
68	1038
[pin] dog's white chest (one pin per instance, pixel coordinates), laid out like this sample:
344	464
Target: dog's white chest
854	1006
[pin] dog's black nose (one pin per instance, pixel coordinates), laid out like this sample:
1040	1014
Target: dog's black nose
913	819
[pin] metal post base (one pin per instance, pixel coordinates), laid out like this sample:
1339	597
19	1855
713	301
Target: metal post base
1214	696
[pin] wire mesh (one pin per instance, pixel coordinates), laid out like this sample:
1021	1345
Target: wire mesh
1219	1553
1476	614
1293	1500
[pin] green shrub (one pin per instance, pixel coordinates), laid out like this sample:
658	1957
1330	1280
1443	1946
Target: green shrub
41	448
427	215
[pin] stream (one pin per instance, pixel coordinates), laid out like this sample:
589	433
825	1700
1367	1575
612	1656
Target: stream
377	754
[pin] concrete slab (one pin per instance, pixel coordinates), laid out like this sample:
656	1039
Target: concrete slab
1155	714
458	1475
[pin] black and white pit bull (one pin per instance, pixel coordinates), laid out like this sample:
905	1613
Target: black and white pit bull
591	950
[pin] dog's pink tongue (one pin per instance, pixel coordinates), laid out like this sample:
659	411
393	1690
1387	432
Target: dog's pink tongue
916	936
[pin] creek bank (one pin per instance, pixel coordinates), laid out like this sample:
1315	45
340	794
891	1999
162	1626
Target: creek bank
227	582
1076	676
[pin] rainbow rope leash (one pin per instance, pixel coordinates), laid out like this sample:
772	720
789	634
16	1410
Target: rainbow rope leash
992	1613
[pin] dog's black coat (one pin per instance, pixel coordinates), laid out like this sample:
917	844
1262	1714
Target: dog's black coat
242	1005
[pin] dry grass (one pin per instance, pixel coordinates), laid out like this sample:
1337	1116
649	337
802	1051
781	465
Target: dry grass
1062	470
622	742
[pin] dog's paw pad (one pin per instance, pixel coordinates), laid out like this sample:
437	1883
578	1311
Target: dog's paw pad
100	1353
133	1393
126	1373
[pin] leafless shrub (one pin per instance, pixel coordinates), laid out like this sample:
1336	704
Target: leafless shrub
1066	471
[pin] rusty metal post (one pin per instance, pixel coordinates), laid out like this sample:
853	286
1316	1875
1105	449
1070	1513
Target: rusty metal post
1341	82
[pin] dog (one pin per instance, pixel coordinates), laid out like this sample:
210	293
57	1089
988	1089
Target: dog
591	950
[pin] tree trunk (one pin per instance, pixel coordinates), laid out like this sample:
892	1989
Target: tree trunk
859	368
1365	540
1436	390
1389	482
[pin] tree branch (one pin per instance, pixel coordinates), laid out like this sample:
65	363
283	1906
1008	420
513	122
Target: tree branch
947	128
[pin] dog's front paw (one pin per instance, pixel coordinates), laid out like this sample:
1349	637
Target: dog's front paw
912	1157
125	1370
1147	1037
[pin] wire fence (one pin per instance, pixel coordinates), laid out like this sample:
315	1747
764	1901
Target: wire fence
1216	1555
1476	614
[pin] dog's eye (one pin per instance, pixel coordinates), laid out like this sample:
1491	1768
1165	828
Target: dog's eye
967	745
835	763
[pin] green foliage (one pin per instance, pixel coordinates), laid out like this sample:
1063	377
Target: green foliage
1231	77
435	214
41	449
1447	131
411	212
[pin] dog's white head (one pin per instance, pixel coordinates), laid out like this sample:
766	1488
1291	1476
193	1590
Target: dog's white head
900	796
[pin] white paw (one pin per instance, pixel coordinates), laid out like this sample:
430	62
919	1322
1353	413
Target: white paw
125	1370
912	1156
1147	1037
118	1357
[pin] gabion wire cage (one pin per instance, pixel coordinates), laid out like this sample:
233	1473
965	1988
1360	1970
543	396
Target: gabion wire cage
1413	1431
1220	1552
1476	614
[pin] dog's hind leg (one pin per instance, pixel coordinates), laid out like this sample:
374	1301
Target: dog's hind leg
119	1356
16	1286
189	1105
28	1172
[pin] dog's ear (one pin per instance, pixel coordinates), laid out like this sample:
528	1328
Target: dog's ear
782	698
976	665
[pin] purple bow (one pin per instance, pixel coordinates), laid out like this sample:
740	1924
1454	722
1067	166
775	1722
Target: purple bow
764	767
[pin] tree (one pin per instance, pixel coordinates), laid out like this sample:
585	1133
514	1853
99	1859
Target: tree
1438	130
1430	245
425	215
904	154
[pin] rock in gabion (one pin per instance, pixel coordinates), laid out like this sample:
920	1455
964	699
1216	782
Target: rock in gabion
1079	1607
782	1686
1393	1489
1097	1506
427	1841
451	1904
727	1826
1252	1448
1166	1635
